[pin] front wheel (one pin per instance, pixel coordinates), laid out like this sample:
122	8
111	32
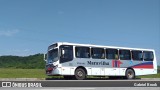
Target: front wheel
80	74
130	74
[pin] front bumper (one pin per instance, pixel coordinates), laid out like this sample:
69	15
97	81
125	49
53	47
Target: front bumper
54	72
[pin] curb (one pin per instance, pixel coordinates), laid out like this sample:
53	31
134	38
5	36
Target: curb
150	79
44	79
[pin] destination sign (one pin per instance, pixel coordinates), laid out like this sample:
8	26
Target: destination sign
52	46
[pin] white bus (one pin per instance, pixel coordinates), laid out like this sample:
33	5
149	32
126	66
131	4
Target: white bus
82	60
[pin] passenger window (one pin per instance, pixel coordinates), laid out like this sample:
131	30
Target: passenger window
148	56
137	55
82	52
124	54
97	53
111	53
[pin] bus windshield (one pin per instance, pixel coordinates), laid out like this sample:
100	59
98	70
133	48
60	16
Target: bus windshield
52	56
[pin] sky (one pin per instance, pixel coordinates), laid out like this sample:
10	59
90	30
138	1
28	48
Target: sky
28	27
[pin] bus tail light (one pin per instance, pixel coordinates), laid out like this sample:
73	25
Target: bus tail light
49	69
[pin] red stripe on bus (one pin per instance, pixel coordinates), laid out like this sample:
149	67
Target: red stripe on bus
144	66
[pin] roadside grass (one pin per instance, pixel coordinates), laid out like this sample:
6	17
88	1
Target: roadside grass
22	73
150	76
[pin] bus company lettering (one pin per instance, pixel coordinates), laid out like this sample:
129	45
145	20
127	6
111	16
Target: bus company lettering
98	63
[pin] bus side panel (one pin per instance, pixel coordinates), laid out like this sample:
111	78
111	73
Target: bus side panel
89	70
112	71
144	71
72	70
138	71
96	71
122	71
149	71
66	71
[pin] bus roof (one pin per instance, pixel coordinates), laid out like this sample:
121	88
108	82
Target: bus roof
101	46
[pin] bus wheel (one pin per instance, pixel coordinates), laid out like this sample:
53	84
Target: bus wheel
80	74
130	74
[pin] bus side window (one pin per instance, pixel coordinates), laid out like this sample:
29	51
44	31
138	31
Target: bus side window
137	55
148	56
111	53
97	53
82	52
125	54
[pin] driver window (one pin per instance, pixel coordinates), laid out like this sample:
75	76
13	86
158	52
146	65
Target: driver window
66	53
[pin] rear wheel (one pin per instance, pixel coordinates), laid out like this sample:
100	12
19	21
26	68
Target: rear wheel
80	74
130	74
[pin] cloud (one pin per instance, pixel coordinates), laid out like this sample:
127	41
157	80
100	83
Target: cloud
8	33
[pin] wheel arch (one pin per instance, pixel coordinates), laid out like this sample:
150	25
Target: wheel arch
82	68
126	73
132	69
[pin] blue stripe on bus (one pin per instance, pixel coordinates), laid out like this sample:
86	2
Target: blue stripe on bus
147	63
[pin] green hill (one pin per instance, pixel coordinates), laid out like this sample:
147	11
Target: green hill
28	62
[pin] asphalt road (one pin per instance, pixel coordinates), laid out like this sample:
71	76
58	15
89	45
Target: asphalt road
86	88
80	83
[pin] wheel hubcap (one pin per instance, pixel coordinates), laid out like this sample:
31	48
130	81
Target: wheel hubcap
79	73
130	75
